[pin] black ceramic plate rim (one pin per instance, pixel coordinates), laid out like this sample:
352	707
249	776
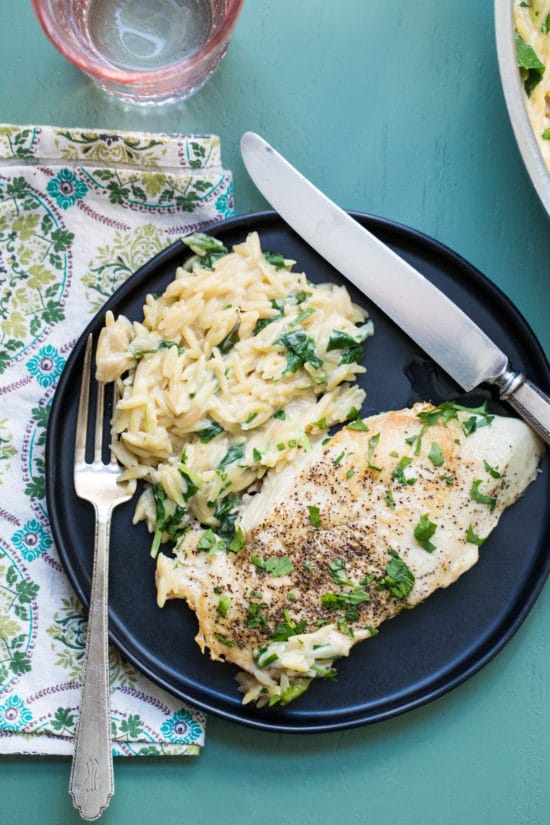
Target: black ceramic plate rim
347	717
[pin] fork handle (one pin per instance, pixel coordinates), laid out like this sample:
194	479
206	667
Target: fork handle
92	784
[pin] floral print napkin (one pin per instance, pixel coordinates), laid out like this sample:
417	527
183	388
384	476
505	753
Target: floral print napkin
79	212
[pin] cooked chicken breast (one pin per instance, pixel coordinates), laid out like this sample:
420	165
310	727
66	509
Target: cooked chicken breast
373	521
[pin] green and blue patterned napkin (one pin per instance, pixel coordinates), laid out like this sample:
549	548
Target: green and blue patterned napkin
79	212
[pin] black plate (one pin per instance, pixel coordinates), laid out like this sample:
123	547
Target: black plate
415	657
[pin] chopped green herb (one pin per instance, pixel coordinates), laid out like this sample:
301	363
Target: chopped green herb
447	479
353	413
251	418
275	259
230	339
398	472
201	243
280	414
268	660
478	496
256	454
531	68
415	440
169	518
210	541
226	513
337	570
302	316
300	349
491	470
256	615
209	432
280	446
262	323
339	458
359	425
349	601
473	538
373	443
388	498
353	346
436	455
399	578
190	479
350	473
291	596
448	410
234	453
423	532
308	567
276	566
223	605
314	517
237	542
301	296
287	628
292	442
545	134
224	640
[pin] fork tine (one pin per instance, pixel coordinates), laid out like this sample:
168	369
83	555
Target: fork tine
83	404
98	439
116	399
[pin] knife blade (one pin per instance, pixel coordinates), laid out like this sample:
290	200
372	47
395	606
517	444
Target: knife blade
419	308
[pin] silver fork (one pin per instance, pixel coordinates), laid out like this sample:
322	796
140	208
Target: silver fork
91	784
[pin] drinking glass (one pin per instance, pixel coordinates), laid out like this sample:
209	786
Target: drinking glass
143	51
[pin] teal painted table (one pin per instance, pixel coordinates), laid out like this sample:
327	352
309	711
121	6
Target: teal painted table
397	110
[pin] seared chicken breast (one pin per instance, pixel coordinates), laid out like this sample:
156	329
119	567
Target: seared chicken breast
372	521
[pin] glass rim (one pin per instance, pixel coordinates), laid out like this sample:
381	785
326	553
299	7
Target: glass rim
102	69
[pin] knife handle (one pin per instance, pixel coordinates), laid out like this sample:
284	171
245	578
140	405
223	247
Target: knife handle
532	404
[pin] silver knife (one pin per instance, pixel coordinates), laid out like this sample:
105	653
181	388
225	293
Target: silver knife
431	319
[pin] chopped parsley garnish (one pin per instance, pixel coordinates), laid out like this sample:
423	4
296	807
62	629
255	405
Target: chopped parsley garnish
209	432
352	346
281	414
208	249
398	472
350	473
415	440
226	513
256	615
234	453
491	470
224	640
287	628
223	605
531	68
275	259
373	443
190	480
399	578
478	496
237	542
349	601
339	458
359	425
473	538
423	532
275	566
337	570
210	542
436	455
168	519
388	498
448	410
262	323
314	517
300	349
256	454
230	339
